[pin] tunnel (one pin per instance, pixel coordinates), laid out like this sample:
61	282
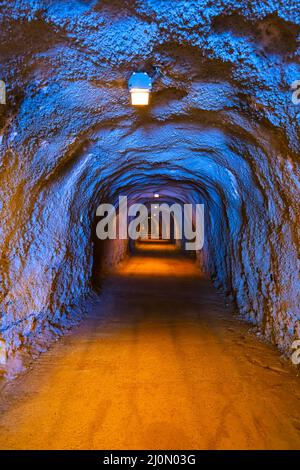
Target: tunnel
149	345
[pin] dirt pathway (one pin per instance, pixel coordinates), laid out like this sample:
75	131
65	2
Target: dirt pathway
159	364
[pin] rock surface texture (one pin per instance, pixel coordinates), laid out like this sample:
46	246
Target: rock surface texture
221	129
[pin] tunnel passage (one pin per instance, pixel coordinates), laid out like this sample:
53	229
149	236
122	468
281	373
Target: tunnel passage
160	352
160	215
221	130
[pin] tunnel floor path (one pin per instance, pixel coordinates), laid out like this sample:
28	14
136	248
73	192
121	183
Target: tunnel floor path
159	363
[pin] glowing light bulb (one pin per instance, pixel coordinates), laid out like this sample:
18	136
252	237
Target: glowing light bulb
140	86
139	97
156	195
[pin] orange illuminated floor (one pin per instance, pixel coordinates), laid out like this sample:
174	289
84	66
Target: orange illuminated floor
160	363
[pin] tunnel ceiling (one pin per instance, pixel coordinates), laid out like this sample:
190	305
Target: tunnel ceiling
221	129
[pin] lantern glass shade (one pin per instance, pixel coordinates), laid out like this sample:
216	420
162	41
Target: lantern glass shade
139	97
140	86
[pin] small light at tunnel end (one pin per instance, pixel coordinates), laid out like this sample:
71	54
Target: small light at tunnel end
140	86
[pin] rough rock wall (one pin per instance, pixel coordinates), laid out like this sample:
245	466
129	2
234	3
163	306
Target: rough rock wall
221	129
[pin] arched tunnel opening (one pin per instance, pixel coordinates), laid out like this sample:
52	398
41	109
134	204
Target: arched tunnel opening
150	254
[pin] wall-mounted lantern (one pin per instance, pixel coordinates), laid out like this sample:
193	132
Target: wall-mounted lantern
156	195
140	86
2	92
